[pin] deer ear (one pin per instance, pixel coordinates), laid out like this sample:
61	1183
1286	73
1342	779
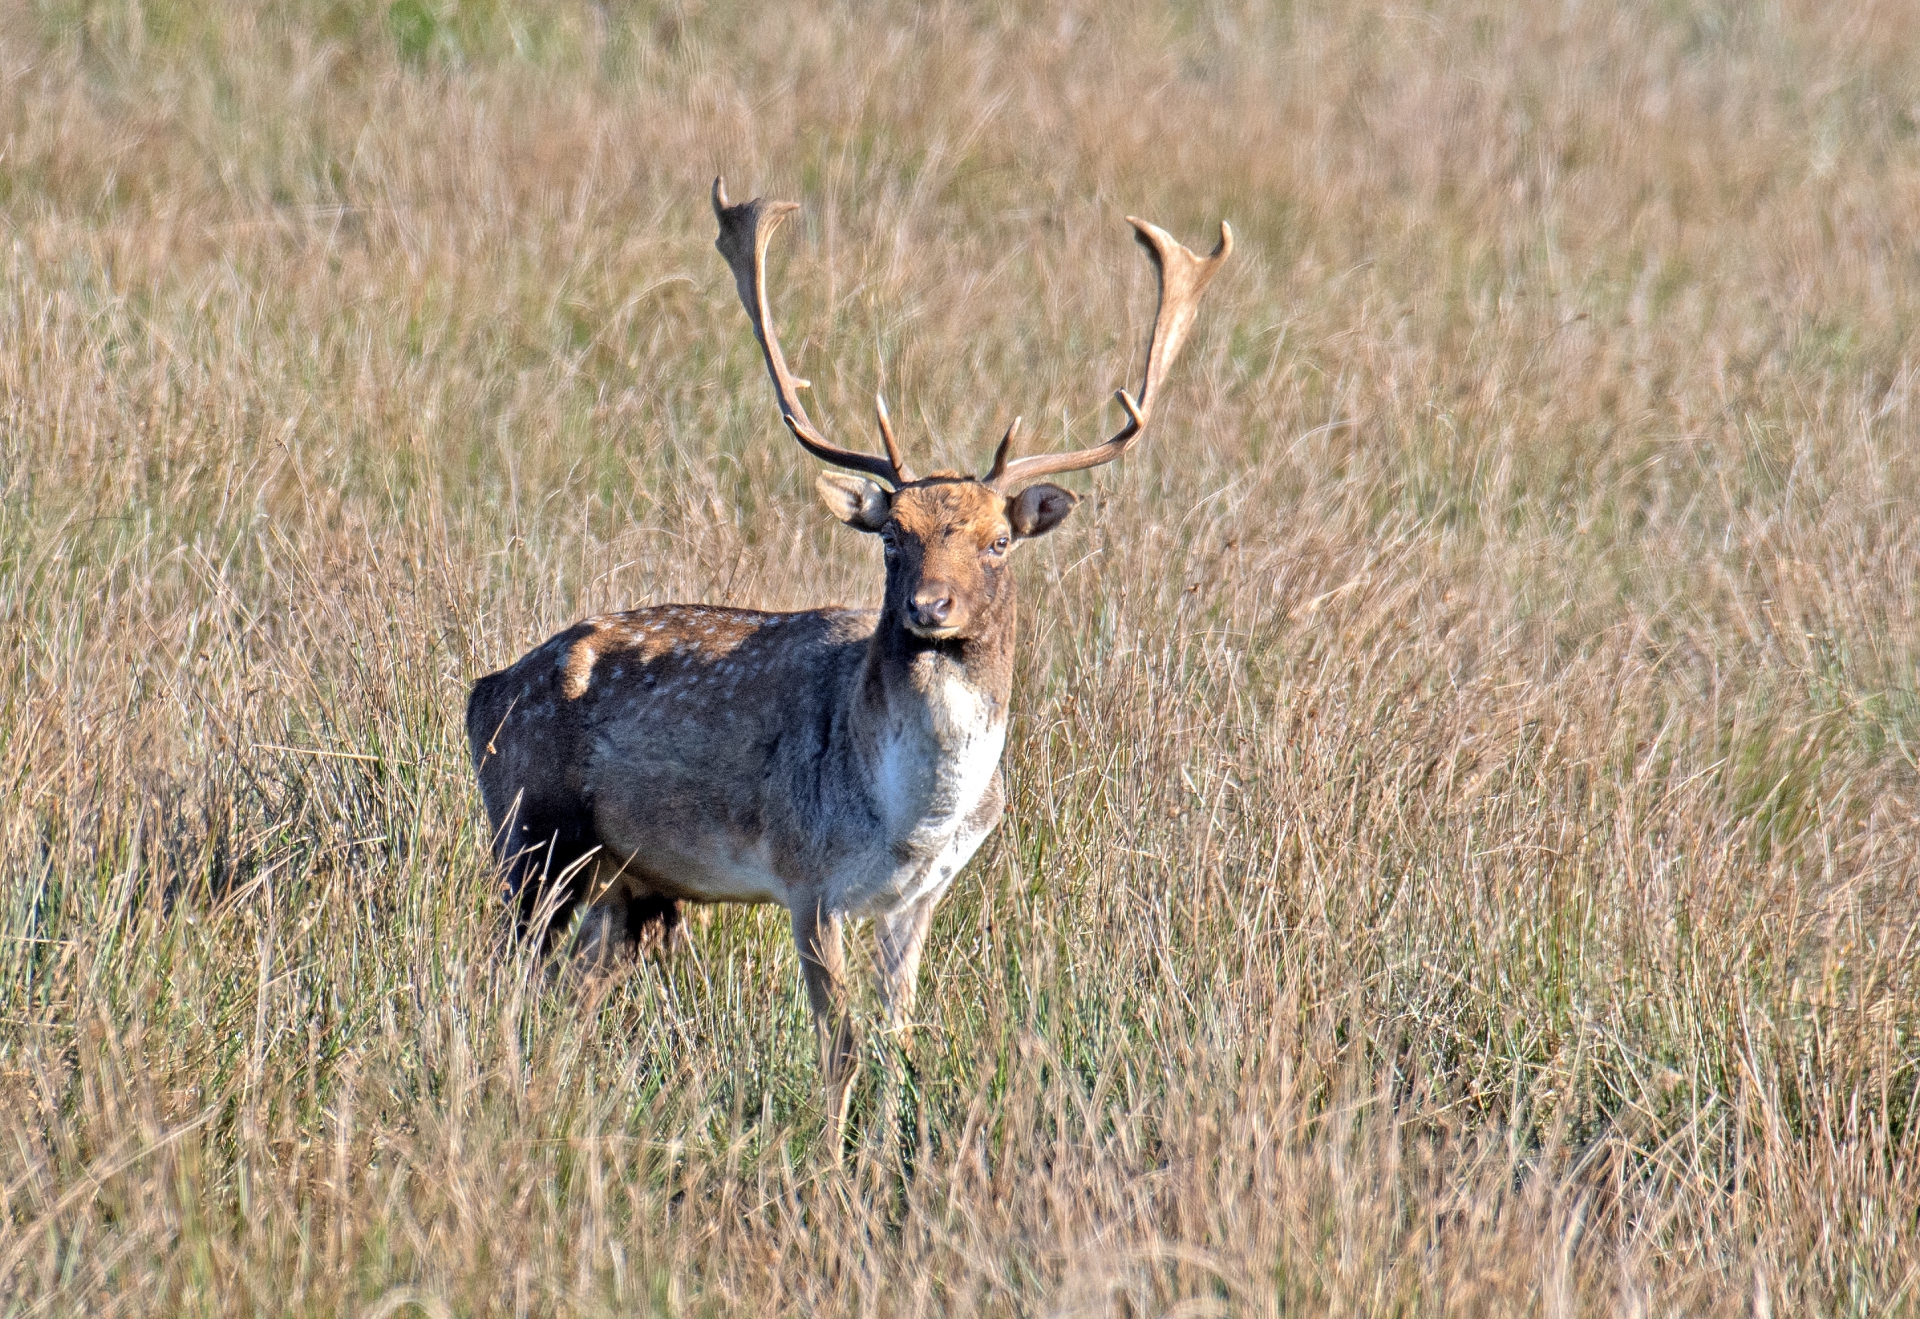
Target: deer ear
860	503
1039	509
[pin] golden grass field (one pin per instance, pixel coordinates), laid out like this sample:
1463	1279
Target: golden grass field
1464	833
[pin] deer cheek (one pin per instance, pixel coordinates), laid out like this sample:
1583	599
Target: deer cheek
990	579
904	572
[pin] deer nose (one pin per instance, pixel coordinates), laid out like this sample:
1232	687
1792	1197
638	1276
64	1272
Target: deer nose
932	606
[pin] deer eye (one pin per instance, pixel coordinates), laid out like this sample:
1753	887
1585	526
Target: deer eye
1000	546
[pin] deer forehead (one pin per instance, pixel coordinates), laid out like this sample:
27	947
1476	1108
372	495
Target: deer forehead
933	512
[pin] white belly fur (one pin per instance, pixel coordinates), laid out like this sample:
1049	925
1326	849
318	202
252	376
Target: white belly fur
726	870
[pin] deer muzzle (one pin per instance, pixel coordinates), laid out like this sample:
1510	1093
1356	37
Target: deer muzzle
934	612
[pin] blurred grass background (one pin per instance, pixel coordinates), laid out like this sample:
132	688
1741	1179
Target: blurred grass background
1462	854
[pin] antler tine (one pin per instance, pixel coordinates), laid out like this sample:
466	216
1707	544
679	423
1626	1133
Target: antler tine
999	468
901	473
1183	277
744	231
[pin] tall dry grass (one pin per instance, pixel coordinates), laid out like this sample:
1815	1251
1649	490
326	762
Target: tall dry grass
1463	847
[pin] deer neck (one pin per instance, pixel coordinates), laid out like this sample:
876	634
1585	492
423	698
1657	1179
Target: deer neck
932	717
905	673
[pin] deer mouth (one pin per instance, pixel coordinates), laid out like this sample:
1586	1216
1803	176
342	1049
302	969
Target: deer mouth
942	632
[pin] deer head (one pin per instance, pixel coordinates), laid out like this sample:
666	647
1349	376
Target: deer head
948	536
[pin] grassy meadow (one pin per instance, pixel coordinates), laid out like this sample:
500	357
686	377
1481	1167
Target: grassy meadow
1463	851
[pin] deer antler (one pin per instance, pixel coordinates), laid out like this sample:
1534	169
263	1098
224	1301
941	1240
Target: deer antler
1183	277
744	231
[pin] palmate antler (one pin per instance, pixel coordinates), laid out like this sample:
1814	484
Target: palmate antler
744	231
1183	277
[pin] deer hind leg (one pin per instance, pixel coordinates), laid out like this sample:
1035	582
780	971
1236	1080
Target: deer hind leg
623	921
618	929
818	936
544	850
546	883
653	923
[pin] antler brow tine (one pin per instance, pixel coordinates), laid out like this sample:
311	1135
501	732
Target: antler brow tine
999	468
1183	277
901	473
744	232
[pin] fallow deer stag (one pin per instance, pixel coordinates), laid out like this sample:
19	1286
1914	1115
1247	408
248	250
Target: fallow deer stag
844	763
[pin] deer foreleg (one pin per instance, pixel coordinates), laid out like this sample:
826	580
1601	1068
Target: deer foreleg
896	960
823	966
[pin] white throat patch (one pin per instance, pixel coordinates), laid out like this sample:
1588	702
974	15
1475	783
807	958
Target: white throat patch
937	760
